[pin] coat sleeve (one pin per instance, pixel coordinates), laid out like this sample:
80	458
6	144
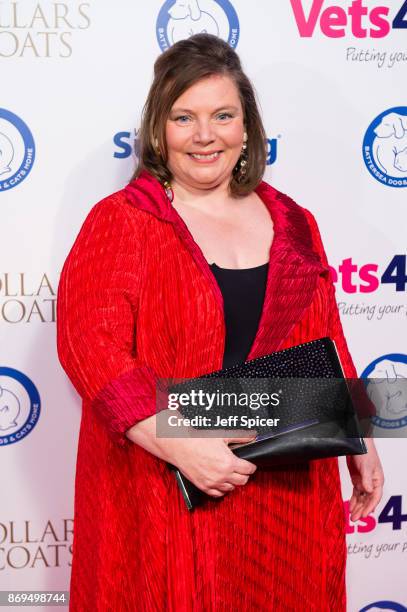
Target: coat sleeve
364	407
97	311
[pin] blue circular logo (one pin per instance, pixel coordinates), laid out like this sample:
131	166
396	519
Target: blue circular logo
179	20
20	406
388	606
385	147
387	389
17	150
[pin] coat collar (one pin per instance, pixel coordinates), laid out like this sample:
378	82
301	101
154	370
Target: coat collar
294	264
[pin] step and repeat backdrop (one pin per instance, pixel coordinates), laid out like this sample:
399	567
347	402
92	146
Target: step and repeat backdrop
331	81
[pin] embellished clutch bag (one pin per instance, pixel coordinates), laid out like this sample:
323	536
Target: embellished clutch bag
313	412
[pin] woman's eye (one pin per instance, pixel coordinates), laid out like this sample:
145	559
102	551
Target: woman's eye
182	118
224	116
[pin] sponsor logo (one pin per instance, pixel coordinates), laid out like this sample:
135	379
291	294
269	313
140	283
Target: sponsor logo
385	147
392	514
387	59
367	278
24	299
272	148
356	18
392	541
17	150
29	544
178	20
128	144
41	30
386	605
20	406
387	389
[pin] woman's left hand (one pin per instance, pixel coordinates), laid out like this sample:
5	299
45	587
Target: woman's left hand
367	476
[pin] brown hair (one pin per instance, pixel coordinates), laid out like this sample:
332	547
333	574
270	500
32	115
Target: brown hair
177	69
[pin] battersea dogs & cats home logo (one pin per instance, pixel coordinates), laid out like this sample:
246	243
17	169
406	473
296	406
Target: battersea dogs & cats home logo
387	389
385	147
17	150
20	406
178	20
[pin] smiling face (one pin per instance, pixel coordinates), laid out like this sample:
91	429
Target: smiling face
204	133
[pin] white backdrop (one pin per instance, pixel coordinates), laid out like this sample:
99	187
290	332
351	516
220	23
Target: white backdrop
74	76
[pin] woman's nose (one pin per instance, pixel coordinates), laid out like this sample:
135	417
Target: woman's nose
203	132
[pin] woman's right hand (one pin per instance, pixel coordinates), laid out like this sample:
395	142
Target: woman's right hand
207	462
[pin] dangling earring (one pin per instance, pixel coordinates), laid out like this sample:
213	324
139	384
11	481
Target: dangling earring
242	163
168	190
156	147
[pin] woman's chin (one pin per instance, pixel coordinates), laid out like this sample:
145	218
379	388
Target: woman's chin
208	178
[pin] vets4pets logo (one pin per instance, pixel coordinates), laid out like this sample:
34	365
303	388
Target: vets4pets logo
385	147
181	19
17	150
357	18
20	406
352	277
387	524
356	21
386	283
391	516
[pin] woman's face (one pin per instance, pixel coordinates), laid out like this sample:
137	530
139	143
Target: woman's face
204	133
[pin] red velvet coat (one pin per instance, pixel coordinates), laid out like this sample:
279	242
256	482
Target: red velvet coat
138	300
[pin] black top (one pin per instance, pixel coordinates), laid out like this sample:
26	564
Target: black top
243	293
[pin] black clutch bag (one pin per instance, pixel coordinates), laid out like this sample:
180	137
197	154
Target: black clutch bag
315	413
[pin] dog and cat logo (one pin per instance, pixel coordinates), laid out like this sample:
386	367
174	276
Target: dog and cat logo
387	389
181	19
385	147
384	606
20	405
17	150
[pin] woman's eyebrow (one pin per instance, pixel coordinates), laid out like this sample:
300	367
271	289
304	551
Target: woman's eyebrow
191	112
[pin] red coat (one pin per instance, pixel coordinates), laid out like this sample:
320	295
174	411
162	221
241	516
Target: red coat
138	300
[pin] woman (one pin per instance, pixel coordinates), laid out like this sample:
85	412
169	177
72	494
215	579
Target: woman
147	292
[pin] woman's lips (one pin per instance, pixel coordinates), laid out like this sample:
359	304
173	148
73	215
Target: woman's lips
205	158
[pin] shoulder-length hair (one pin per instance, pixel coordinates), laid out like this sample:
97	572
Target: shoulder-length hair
185	63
